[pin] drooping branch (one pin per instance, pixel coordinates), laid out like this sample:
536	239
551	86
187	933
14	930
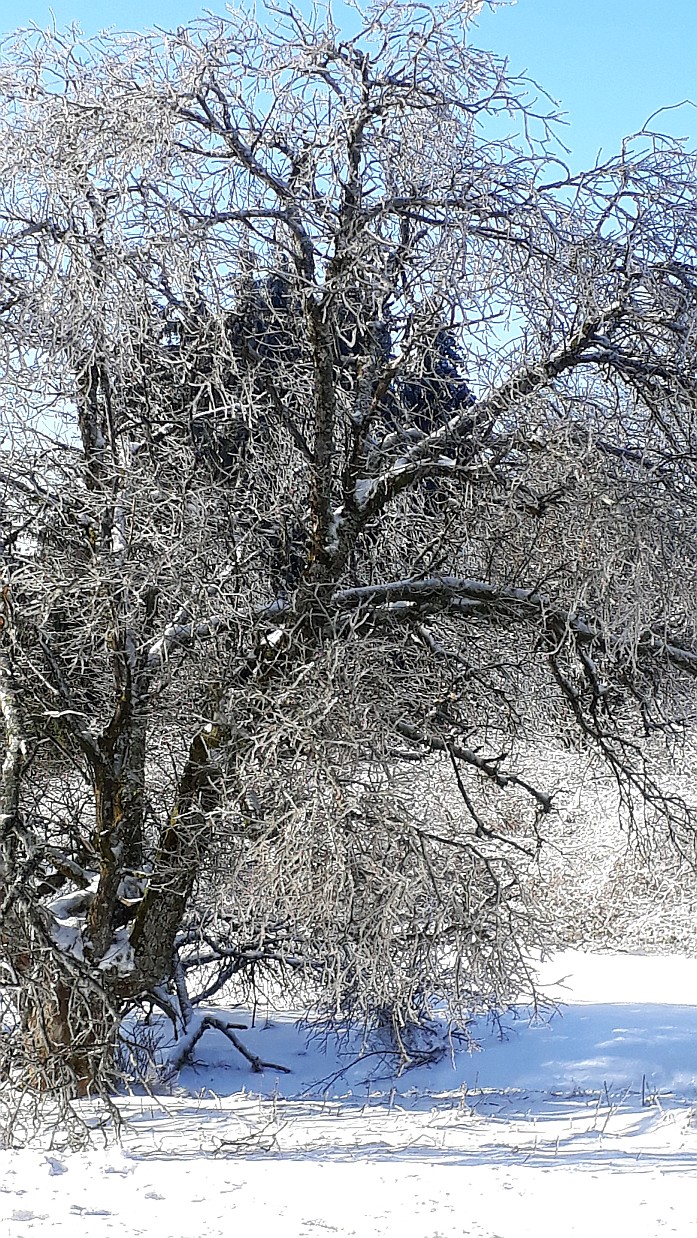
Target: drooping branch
477	598
490	767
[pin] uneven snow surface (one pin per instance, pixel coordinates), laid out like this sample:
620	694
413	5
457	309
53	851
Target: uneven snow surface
580	1125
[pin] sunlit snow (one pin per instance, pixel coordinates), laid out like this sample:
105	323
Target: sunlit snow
577	1123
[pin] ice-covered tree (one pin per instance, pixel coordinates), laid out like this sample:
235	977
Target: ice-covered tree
348	466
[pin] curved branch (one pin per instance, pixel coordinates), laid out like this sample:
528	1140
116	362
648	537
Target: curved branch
453	595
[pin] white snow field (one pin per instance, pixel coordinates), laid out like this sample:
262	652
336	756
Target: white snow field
583	1125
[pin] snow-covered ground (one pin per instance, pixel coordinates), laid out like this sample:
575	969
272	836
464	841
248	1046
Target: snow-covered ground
580	1125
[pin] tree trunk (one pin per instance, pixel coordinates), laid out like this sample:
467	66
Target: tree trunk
119	791
177	862
69	1033
67	1021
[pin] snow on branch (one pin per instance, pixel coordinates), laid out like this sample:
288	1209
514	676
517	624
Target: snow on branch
453	594
182	633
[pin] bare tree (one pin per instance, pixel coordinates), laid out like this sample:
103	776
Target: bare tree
348	466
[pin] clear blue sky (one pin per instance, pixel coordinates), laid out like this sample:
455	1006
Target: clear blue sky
610	63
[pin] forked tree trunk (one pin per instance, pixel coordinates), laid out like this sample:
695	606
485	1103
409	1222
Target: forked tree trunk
114	835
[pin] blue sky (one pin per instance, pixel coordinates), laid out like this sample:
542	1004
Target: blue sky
610	63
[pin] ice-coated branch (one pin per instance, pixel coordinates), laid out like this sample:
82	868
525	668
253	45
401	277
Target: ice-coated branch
490	767
441	594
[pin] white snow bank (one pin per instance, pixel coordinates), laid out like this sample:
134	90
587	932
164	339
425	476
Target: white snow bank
543	1133
574	977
